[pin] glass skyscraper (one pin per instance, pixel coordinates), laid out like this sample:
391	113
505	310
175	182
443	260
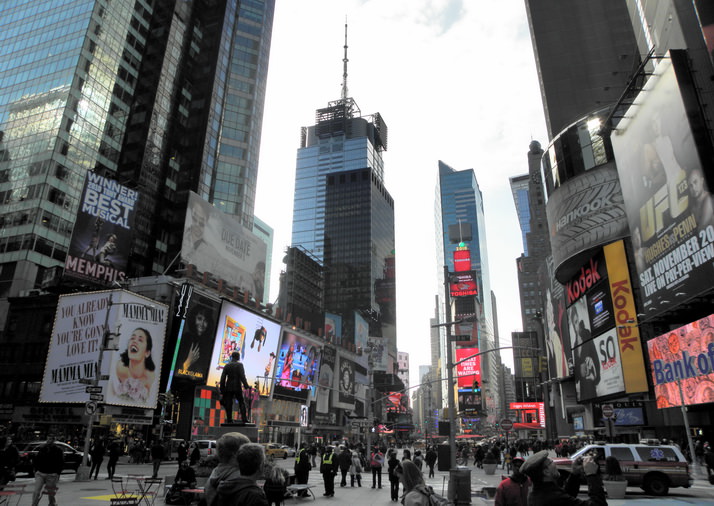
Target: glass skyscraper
166	97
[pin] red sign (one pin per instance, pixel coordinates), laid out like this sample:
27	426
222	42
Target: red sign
469	370
463	284
506	424
462	260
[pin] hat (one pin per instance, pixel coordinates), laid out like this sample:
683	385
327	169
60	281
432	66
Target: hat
534	463
518	459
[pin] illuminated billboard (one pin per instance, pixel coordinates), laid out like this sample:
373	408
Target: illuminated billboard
297	367
326	380
254	337
684	355
469	370
463	284
529	412
669	206
196	336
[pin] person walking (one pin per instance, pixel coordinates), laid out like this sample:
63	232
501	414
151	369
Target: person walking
48	465
513	491
356	469
114	452
344	459
232	382
302	468
195	454
393	470
157	455
9	458
415	491
329	468
430	459
181	452
97	454
376	461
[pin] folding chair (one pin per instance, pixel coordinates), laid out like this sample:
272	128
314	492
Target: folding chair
124	501
120	491
150	489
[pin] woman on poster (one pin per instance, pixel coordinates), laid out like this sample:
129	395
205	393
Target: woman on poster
135	370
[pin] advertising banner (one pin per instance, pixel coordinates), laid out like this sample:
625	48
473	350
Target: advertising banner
102	237
557	337
670	210
196	336
598	367
361	338
469	370
628	332
529	412
333	327
326	384
626	413
297	367
344	396
684	355
254	337
469	401
218	243
463	284
378	354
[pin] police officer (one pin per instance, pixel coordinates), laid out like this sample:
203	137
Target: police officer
302	468
329	468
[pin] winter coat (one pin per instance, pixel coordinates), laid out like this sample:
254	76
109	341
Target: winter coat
356	465
345	460
550	494
221	473
240	491
513	491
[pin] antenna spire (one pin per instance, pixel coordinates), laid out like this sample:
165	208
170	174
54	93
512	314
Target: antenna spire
344	66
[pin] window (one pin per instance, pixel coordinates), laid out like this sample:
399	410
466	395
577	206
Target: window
621	454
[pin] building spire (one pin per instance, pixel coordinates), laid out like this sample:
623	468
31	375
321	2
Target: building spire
344	66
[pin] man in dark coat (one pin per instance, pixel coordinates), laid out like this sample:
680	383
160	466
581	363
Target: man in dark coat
157	455
544	474
232	383
48	464
344	460
9	458
181	452
430	459
302	467
97	454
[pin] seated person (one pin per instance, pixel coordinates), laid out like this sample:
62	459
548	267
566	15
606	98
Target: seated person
185	478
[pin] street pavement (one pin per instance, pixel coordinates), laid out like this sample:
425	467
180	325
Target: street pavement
99	492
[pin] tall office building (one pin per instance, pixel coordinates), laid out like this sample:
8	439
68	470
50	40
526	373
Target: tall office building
165	97
343	215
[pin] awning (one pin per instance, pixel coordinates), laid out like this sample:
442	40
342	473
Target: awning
528	426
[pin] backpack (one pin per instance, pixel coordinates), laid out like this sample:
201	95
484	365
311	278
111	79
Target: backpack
434	498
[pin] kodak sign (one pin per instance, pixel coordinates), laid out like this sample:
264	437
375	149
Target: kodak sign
628	333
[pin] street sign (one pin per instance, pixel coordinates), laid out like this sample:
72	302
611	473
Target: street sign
96	397
608	411
90	408
93	390
506	424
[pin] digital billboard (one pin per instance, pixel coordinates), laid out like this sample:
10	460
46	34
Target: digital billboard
469	402
557	336
344	396
529	412
669	207
361	338
463	284
254	337
625	413
469	370
297	367
218	243
333	327
326	381
684	355
102	234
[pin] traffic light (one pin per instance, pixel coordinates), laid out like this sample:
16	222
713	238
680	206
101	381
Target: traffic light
476	387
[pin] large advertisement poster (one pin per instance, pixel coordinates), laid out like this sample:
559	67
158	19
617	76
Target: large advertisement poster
323	412
196	336
217	243
469	370
361	338
669	207
344	396
137	325
378	354
101	239
598	367
557	337
297	367
333	327
684	355
254	337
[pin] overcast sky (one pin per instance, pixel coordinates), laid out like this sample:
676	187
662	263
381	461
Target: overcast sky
454	81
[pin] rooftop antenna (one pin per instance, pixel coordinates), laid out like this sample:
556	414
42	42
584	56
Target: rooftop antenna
344	66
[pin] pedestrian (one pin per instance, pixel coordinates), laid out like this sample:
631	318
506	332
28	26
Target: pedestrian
227	469
185	478
232	382
513	491
415	492
393	469
157	455
9	458
545	475
244	490
195	454
114	452
430	459
48	465
181	452
313	454
344	460
302	468
376	461
709	461
406	455
355	470
328	468
97	453
418	460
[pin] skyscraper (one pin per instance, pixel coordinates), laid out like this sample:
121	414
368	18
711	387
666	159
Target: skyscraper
343	215
164	97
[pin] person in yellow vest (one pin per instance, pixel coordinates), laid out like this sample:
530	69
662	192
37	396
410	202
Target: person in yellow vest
328	468
302	468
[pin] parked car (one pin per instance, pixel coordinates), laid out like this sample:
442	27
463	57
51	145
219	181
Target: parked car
207	447
273	450
27	451
653	467
289	449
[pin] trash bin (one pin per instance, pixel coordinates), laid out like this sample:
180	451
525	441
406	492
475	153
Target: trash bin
443	453
460	485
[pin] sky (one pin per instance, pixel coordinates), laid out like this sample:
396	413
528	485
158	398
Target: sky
454	80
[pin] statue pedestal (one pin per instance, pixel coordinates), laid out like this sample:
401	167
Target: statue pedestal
247	429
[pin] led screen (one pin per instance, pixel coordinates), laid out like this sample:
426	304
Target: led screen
298	365
469	370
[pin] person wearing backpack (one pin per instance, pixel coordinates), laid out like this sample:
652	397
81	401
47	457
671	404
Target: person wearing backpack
416	492
375	463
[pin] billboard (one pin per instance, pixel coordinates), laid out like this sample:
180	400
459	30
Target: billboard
137	325
333	327
218	243
361	338
529	412
254	337
557	336
463	284
625	413
297	367
669	208
684	356
325	385
378	354
101	238
469	370
196	336
598	367
344	396
469	402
